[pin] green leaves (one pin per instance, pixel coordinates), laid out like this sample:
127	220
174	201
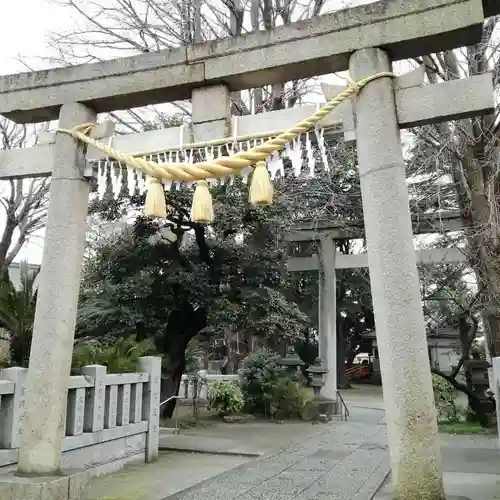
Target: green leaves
225	397
17	312
138	281
119	356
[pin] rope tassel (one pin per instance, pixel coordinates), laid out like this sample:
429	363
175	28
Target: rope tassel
224	166
155	205
261	187
202	210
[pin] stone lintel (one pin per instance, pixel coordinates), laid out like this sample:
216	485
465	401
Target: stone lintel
303	49
415	105
356	261
452	100
424	224
38	161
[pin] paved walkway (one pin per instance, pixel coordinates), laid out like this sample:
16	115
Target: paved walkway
471	467
338	461
341	461
299	461
171	473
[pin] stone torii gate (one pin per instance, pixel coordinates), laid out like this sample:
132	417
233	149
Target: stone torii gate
326	260
364	40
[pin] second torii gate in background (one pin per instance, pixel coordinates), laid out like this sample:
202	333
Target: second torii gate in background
326	260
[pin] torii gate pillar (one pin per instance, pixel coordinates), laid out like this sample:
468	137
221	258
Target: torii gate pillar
55	317
399	319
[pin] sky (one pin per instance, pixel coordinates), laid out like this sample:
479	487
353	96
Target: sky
24	25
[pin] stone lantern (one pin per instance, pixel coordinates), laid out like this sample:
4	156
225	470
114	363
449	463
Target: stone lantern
292	363
326	407
315	373
478	369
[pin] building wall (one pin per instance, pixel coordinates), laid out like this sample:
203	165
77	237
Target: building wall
443	354
15	273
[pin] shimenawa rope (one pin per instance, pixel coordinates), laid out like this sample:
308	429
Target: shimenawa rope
261	191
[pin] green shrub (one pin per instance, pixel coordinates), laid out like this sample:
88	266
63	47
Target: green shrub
269	390
225	397
119	356
290	400
260	376
444	397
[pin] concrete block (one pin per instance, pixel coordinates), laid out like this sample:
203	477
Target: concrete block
413	78
88	439
53	329
70	486
75	413
102	453
151	404
12	408
111	406
78	484
123	414
80	382
126	378
440	102
101	131
211	103
404	361
6	387
406	29
27	162
95	399
210	130
136	403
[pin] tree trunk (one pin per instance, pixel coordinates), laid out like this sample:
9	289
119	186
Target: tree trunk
474	401
231	353
465	345
170	383
342	382
182	327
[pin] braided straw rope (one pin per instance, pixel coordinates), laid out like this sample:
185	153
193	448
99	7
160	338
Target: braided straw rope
223	166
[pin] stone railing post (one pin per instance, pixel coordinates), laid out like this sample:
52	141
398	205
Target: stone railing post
151	404
12	408
495	387
95	402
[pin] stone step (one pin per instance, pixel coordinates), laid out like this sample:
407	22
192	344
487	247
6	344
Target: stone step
207	444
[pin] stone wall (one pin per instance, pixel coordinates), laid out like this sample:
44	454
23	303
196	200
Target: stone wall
111	419
187	388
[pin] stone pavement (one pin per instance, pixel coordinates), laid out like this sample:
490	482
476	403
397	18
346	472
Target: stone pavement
253	438
172	472
335	461
471	468
341	461
344	460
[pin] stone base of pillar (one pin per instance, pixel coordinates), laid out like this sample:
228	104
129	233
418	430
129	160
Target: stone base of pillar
70	485
326	406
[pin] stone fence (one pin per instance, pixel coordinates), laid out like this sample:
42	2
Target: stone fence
111	419
494	383
204	380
